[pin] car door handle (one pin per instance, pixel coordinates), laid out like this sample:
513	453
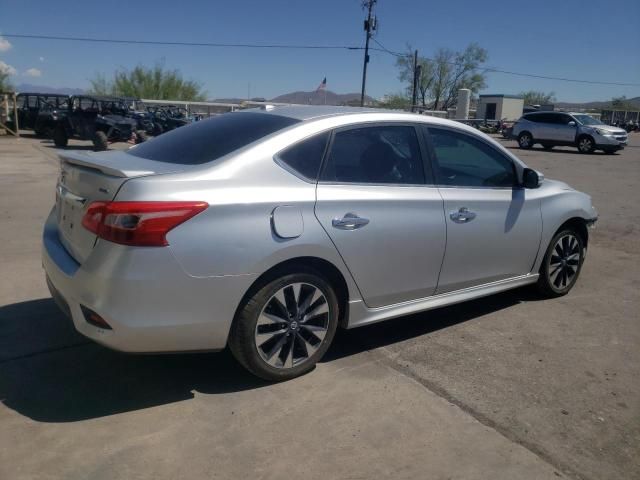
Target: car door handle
463	215
350	221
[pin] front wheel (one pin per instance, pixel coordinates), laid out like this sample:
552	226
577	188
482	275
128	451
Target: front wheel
525	140
60	138
285	327
586	144
561	264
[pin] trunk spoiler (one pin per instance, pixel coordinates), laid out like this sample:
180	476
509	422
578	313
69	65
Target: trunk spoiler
118	163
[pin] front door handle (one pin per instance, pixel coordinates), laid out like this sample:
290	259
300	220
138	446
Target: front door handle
463	215
350	221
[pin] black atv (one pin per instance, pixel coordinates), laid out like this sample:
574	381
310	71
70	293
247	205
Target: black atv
31	106
103	120
167	118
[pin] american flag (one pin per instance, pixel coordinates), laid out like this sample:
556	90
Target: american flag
323	85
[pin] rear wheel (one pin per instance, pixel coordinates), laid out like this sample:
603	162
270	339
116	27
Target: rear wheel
141	136
561	264
60	138
284	328
586	144
100	141
525	140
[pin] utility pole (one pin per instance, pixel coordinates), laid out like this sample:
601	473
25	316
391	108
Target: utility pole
369	26
414	94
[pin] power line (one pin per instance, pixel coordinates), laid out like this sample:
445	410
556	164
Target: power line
302	47
507	72
184	44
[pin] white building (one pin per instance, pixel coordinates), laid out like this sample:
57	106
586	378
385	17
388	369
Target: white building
499	107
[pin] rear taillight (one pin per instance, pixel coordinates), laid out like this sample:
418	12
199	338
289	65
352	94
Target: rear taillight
143	224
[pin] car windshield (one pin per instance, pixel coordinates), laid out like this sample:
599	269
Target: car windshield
208	140
587	120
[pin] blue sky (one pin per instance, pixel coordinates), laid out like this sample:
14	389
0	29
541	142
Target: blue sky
585	39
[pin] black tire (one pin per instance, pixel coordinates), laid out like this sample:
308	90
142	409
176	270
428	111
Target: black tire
525	140
60	138
551	282
547	146
243	337
100	141
141	136
585	144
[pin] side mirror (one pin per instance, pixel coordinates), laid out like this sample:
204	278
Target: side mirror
531	178
572	123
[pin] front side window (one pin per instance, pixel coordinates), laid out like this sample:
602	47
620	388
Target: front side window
464	161
304	158
588	120
377	154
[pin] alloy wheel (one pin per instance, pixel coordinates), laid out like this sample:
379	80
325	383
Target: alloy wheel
292	325
585	145
525	140
564	262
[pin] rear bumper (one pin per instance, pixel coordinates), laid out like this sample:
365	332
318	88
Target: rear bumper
150	302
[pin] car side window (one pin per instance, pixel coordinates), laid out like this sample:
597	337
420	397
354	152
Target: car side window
304	158
388	154
464	161
564	119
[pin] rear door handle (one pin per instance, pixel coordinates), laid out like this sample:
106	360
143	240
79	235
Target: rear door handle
463	215
350	221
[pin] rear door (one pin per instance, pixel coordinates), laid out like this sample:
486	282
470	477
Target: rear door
493	229
377	203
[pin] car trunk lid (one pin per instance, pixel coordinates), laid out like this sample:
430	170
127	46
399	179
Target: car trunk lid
90	177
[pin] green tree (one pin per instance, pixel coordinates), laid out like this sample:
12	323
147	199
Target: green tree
533	97
5	85
444	74
155	83
395	101
621	103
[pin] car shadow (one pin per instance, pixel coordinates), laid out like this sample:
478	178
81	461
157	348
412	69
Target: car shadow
50	373
72	147
570	150
353	341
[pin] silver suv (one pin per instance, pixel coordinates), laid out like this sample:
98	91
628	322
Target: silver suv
579	130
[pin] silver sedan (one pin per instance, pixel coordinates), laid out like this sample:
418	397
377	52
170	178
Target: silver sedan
265	230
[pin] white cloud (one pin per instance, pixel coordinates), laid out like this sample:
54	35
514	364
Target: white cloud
8	69
33	72
4	44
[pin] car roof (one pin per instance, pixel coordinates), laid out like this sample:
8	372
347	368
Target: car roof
310	112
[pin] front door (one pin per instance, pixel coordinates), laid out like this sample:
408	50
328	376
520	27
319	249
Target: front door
377	203
493	231
560	130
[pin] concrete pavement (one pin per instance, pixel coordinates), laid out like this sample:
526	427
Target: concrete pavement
503	387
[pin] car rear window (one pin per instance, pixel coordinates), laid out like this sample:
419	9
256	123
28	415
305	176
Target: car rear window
208	140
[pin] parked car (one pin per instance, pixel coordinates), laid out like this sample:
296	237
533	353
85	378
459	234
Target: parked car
33	108
103	120
265	230
579	130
